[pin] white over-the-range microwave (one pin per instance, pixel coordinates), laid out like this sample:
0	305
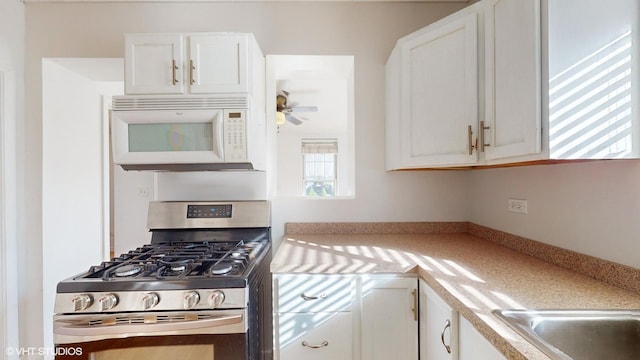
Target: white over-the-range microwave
187	133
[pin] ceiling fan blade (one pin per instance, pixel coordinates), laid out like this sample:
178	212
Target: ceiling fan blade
303	109
292	119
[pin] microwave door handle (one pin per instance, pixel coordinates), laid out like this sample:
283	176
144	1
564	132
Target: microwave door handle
62	327
218	135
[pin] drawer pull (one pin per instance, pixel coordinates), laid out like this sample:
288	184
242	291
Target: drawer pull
323	344
309	298
447	325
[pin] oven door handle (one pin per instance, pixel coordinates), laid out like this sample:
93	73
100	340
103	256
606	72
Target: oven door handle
62	327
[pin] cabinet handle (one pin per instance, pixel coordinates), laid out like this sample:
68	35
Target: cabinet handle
482	129
309	298
447	324
192	68
323	344
415	304
470	139
174	69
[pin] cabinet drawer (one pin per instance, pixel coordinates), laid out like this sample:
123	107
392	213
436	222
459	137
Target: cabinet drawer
313	293
318	336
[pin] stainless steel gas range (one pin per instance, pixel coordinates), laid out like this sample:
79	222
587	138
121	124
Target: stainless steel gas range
200	290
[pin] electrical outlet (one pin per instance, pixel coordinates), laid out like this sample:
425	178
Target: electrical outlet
517	205
143	191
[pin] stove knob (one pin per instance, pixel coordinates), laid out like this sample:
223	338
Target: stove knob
150	300
216	299
81	302
107	302
191	299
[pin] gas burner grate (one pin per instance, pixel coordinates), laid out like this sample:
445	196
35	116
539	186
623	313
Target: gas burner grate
179	260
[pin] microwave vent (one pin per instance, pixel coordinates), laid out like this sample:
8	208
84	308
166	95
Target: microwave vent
232	101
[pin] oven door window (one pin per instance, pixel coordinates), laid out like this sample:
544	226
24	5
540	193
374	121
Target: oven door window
157	352
183	347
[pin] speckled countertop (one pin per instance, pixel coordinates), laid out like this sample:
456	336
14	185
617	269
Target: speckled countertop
473	274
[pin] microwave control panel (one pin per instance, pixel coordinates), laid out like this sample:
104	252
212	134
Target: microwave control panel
235	135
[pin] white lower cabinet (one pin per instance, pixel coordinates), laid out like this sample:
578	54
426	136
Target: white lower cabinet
314	316
348	317
369	317
445	335
389	318
474	346
438	326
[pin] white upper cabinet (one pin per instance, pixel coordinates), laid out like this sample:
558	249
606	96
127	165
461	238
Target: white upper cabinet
450	118
432	96
197	63
218	63
512	121
154	64
557	80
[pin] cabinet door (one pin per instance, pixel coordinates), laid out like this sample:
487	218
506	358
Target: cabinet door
440	95
512	79
153	64
218	63
318	336
438	327
389	318
474	346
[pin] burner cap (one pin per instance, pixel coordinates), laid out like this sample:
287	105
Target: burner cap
178	268
238	253
221	268
127	270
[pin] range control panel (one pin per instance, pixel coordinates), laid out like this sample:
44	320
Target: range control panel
209	211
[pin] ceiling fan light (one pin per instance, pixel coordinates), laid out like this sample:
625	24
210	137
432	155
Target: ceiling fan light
280	118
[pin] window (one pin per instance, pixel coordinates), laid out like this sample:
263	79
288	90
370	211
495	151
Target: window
319	158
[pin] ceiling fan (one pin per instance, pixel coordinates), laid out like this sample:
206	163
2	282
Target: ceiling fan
284	111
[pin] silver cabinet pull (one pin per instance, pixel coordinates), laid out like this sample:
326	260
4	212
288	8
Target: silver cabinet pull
323	344
482	129
447	324
415	304
470	139
174	69
309	298
192	69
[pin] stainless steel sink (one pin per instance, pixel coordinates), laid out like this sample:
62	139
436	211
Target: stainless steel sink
579	334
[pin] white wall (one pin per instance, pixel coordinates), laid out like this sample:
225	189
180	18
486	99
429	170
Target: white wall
74	207
132	191
591	208
12	190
